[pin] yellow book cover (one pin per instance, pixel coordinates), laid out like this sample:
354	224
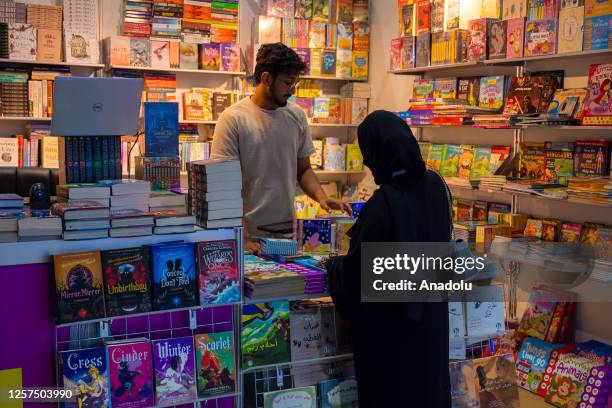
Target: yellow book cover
50	149
343	241
354	158
360	64
315	61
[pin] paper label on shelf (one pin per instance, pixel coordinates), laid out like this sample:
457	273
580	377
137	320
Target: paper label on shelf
279	378
456	348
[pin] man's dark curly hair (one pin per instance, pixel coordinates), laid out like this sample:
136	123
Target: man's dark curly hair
277	59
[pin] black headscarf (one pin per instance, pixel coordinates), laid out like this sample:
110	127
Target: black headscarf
389	148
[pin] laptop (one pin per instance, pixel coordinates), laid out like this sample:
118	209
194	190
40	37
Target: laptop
87	106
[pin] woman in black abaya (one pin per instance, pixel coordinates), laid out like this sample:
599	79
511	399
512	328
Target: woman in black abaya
400	349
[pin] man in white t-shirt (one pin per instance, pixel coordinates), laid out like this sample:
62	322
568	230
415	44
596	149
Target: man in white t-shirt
271	138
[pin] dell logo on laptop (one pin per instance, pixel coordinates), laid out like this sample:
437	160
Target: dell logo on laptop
97	107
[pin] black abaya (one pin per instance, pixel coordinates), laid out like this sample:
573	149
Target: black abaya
400	349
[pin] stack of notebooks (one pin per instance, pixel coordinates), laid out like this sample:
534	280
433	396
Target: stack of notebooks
83	219
39	227
590	190
492	183
494	121
11	204
8	227
173	222
466	230
215	193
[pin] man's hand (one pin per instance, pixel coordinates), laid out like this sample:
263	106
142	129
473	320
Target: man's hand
252	246
334	204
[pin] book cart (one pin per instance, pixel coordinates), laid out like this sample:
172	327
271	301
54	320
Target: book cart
576	66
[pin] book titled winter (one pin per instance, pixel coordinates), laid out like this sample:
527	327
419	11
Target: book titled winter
175	373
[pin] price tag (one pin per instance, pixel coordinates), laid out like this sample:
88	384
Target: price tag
279	377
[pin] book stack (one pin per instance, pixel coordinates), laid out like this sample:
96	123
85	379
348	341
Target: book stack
128	194
590	190
83	219
88	159
278	246
7	11
39	227
11	204
14	93
137	18
40	90
315	280
166	21
356	90
130	223
215	193
44	16
71	193
159	87
173	222
267	279
167	200
8	227
492	183
4	40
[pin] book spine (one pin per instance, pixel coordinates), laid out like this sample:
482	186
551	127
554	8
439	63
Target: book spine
566	323
555	324
88	156
117	150
49	98
105	158
96	144
68	160
82	176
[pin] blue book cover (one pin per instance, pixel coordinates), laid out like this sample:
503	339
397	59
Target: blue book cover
174	276
315	236
161	129
117	145
97	157
69	159
84	372
82	174
600	30
339	393
89	162
532	361
106	157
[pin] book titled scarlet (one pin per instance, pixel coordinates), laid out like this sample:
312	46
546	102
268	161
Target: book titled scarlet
218	272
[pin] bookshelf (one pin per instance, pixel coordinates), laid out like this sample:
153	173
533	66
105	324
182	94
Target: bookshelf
23	118
332	125
330	78
310	361
5	61
177	70
339	172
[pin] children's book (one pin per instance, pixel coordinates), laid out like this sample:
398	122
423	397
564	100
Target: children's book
423	16
423	88
468	90
188	57
570	232
408	52
303	9
174	276
568	380
596	8
127	281
449	167
140	52
407	21
597	33
161	129
280	8
463	386
539	312
550	233
497	37
495	380
218	272
361	36
532	162
360	65
591	158
265	334
339	392
423	50
513	9
328	63
445	88
78	286
354	158
491	94
540	37
434	158
466	158
437	16
453	8
396	54
320	10
528	95
567	102
491	9
559	162
345	36
515	35
302	397
485	313
175	372
481	162
130	369
570	29
210	56
314	236
230	57
344	11
477	40
313	334
597	107
215	369
85	373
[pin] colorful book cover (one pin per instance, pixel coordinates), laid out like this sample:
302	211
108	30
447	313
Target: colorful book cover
354	158
316	158
188	58
84	372
423	88
174	276
130	369
360	65
437	16
175	373
484	311
316	61
209	56
315	235
597	33
463	387
495	379
513	9
160	54
515	34
568	102
230	57
302	397
532	162
559	162
570	29
361	36
303	9
78	286
491	94
481	162
127	281
396	54
280	8
317	34
466	158
597	107
407	53
497	38
328	63
215	366
320	10
591	158
532	361
491	9
161	129
596	8
468	90
570	232
423	16
345	36
539	312
140	52
344	11
423	50
320	108
407	21
304	54
339	393
265	334
499	154
533	228
540	37
218	272
445	88
477	40
453	8
550	233
449	167
568	380
361	11
434	158
528	94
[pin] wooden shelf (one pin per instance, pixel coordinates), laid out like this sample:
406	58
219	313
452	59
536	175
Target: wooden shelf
310	361
23	119
178	70
50	63
523	127
573	55
198	122
333	125
330	78
338	172
422	70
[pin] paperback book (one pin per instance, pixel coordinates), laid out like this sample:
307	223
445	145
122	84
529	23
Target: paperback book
174	276
265	334
215	363
85	373
218	272
175	373
130	367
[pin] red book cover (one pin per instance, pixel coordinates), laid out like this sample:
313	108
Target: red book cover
567	323
423	12
555	324
218	272
550	368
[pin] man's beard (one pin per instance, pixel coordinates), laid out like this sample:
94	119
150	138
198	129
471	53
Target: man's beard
278	101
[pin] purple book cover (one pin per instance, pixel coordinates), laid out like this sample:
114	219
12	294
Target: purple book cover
174	365
131	374
304	54
230	57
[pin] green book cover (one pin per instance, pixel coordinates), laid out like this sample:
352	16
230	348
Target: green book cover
302	397
449	167
559	162
215	363
425	147
265	334
466	157
434	158
481	162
